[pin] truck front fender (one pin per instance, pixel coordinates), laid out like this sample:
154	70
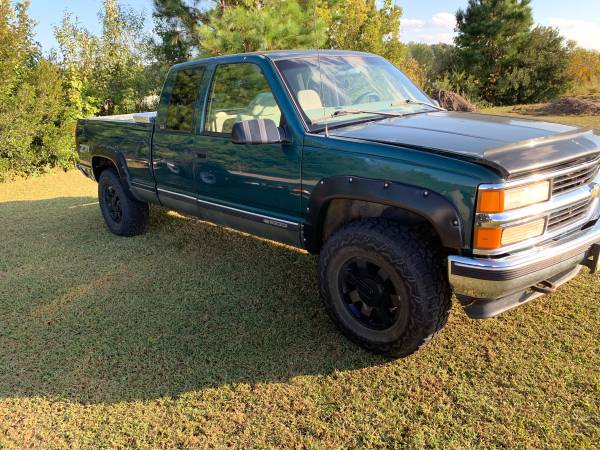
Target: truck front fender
431	206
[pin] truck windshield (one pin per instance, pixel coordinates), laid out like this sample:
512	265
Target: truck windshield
366	85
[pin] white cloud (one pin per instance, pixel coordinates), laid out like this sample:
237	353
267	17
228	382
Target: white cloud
412	24
444	20
585	33
439	28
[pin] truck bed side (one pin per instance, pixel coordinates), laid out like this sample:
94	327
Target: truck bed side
123	141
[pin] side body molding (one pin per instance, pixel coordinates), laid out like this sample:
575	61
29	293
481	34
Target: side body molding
433	207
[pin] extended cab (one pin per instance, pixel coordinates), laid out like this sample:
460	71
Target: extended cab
340	154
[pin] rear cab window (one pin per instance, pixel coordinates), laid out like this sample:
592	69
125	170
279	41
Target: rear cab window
181	109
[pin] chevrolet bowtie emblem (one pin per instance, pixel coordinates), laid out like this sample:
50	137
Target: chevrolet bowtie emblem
596	190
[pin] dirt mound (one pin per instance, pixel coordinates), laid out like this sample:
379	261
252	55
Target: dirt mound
566	106
453	101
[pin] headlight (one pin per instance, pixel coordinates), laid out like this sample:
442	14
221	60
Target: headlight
500	200
493	238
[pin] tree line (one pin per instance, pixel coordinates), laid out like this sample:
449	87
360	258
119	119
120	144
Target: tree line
499	57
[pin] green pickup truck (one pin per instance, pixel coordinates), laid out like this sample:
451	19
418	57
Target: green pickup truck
340	154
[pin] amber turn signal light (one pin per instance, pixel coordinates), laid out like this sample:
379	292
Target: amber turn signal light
488	238
491	201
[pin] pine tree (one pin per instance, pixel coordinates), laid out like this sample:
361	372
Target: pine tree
175	23
494	42
261	25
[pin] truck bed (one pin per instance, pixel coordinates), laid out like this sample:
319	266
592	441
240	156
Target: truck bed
130	134
145	117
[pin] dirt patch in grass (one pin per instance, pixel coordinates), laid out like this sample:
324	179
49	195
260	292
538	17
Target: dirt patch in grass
566	106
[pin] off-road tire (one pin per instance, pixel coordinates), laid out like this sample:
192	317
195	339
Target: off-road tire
417	261
133	217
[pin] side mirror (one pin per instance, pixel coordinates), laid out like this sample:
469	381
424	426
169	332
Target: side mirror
256	131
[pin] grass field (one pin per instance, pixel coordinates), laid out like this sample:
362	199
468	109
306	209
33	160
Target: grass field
196	336
582	121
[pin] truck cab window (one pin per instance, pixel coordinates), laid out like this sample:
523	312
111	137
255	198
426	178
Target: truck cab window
180	112
239	92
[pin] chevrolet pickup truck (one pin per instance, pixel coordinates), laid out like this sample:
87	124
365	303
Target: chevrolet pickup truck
340	154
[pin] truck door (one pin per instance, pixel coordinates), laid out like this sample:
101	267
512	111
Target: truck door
263	180
174	142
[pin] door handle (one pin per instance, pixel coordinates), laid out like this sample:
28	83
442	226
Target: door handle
201	155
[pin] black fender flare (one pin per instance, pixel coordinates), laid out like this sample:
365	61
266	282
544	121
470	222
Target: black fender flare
119	162
433	207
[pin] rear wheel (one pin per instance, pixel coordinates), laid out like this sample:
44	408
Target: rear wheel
384	286
123	214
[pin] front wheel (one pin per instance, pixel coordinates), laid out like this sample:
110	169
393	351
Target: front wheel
384	286
124	215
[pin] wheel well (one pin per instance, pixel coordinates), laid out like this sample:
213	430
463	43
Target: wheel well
339	212
100	163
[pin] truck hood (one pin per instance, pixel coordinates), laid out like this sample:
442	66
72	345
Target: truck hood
510	145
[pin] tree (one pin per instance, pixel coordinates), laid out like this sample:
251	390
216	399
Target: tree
495	43
33	125
541	71
584	70
261	25
437	61
175	23
230	26
105	74
362	25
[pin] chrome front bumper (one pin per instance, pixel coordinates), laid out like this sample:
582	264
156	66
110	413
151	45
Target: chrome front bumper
487	287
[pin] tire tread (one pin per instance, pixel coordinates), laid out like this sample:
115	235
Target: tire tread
419	260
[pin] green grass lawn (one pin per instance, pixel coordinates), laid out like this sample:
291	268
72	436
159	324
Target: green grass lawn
583	121
196	336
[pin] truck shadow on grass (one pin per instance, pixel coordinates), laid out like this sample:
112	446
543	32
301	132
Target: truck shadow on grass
91	317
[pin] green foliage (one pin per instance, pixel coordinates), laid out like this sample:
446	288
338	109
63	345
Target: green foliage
438	63
232	26
260	25
511	62
41	98
584	71
460	82
107	74
174	39
229	26
367	25
541	69
175	23
34	123
360	25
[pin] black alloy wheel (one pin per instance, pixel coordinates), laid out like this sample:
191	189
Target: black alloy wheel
113	203
375	298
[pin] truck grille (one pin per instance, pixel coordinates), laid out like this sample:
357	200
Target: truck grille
566	216
573	180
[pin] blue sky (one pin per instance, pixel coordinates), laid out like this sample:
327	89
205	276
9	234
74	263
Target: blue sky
423	20
432	21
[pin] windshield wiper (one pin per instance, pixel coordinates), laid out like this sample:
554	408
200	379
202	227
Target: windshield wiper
350	112
410	101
